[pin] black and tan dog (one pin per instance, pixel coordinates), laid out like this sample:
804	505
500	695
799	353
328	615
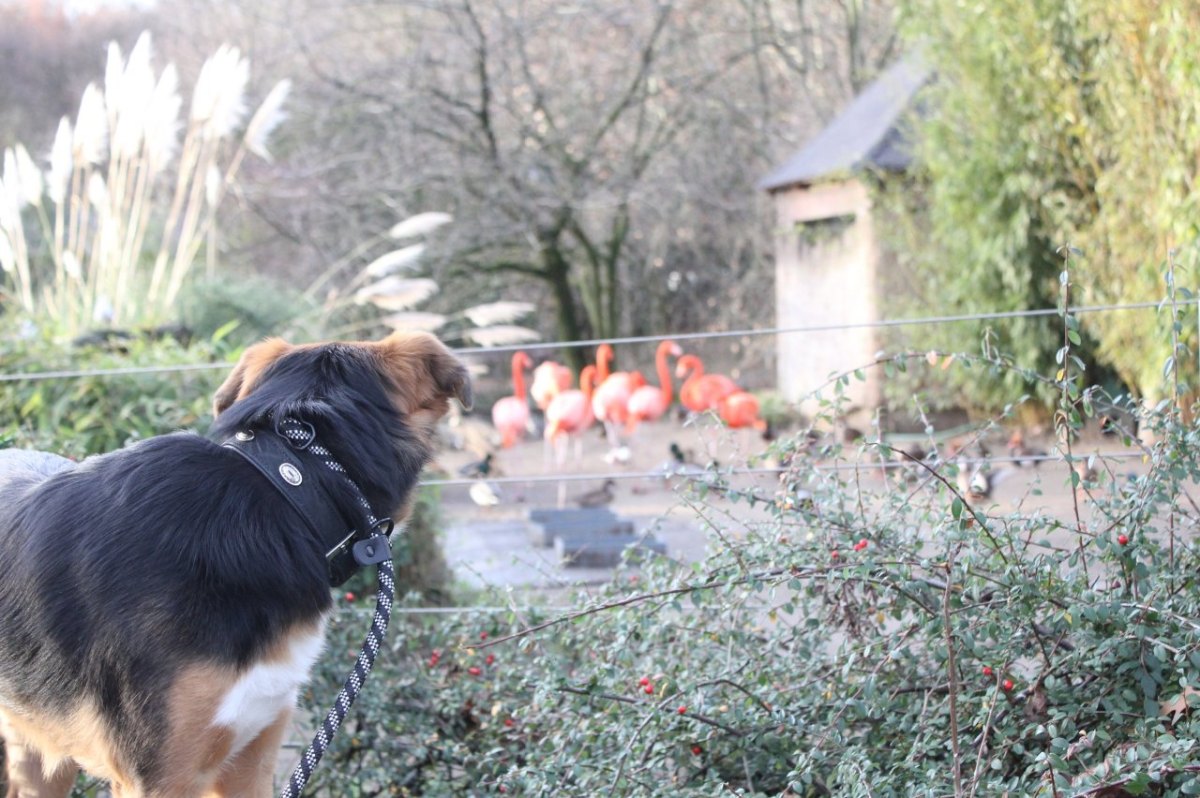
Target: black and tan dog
160	606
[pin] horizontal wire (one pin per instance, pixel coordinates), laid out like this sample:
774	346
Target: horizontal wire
859	325
708	475
34	376
484	610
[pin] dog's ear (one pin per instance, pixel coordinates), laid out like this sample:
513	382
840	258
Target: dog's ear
245	374
423	375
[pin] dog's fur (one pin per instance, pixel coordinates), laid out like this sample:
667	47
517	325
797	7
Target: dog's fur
160	605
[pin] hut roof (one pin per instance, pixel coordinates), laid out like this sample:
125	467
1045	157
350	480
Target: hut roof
866	134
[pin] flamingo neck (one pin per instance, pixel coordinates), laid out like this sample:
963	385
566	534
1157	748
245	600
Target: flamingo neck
603	357
697	369
664	373
585	381
518	376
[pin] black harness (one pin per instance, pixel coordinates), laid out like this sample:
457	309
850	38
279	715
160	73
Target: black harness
306	474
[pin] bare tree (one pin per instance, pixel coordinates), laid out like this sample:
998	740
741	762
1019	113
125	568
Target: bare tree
601	155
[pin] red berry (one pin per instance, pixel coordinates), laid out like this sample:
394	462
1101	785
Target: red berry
682	710
502	788
483	635
509	722
490	659
350	596
1008	684
474	671
645	680
833	554
860	545
697	750
649	689
1123	539
987	671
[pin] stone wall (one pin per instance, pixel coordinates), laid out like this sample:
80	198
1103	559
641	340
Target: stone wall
826	258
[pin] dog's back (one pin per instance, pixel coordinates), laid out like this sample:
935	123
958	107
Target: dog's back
126	590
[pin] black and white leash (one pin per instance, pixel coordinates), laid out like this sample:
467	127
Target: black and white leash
354	683
301	436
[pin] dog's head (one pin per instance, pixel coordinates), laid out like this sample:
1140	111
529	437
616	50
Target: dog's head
416	370
374	404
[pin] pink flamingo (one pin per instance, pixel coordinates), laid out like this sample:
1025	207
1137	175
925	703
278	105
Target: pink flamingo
567	416
740	409
648	403
510	415
570	412
611	398
549	380
702	392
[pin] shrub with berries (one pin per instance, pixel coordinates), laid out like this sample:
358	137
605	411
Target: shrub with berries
968	647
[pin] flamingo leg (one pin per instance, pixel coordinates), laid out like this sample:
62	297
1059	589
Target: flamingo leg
561	445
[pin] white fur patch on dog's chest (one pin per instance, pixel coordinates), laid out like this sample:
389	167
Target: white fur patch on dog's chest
266	689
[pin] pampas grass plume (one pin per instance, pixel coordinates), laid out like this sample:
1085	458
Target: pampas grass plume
60	163
133	102
394	293
90	141
28	176
497	313
8	259
266	119
419	225
162	119
501	335
394	261
414	320
218	101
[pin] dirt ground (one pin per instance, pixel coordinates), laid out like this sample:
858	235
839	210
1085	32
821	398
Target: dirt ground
490	546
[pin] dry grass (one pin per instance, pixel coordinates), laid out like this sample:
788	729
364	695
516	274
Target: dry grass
111	231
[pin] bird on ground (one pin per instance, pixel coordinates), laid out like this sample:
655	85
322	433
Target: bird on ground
678	464
1022	454
649	403
510	415
549	380
910	460
740	409
701	392
610	400
484	493
599	497
1085	476
618	456
478	468
974	484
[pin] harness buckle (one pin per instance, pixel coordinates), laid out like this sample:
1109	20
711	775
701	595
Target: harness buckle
372	551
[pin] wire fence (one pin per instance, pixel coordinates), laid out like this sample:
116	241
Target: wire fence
673	472
699	474
640	339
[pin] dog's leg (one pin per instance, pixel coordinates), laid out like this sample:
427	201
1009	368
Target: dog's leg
27	777
248	775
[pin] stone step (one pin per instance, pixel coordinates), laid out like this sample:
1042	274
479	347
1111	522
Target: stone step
602	551
552	515
547	525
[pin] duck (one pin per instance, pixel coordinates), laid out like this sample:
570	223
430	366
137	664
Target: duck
600	497
974	484
484	493
478	468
